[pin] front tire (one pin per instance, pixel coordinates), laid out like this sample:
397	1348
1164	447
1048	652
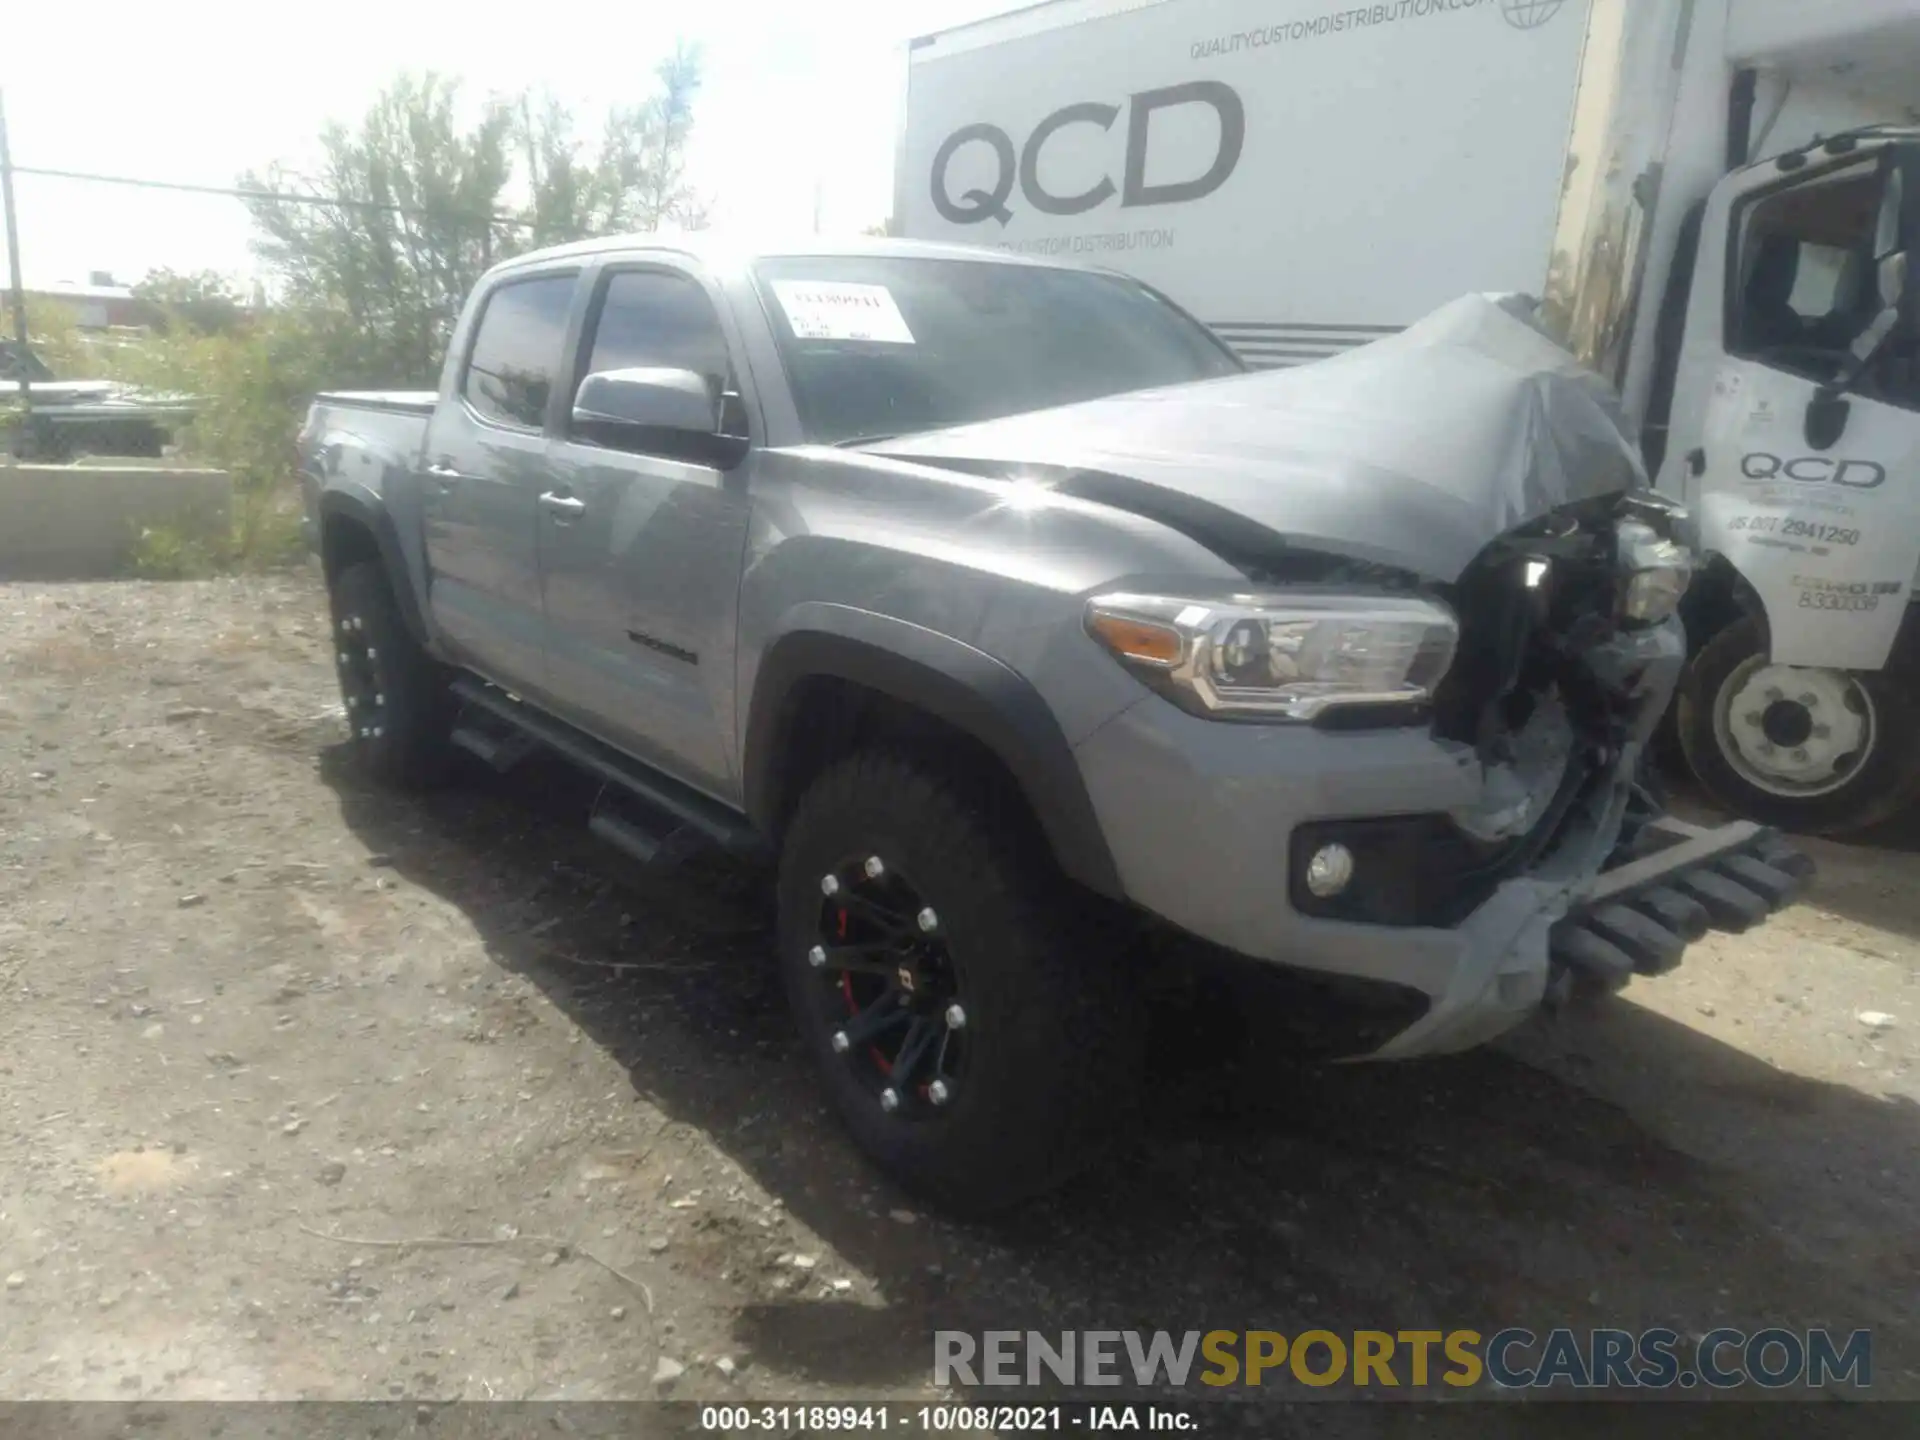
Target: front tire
398	703
977	1028
1821	752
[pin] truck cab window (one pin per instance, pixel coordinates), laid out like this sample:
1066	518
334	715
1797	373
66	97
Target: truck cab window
657	319
1805	288
509	374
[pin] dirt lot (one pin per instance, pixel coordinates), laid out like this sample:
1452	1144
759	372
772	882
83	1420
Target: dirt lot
254	1012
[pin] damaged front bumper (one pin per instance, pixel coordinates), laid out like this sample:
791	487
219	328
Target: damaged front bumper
1640	916
1537	943
1210	825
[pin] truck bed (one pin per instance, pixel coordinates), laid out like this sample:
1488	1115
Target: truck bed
366	434
402	402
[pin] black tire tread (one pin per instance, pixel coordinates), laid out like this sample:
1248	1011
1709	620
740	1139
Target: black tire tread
1886	783
413	751
1059	961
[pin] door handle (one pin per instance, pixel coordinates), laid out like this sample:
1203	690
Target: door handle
442	471
565	507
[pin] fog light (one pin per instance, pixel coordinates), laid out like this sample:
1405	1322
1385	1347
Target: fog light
1330	871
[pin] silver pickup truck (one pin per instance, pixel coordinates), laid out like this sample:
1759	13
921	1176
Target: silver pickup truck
995	601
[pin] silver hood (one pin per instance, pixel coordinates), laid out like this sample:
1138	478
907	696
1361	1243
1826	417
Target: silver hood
1414	452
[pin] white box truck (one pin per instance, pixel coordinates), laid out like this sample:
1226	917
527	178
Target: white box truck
1712	199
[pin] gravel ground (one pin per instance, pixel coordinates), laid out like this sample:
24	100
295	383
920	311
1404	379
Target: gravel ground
262	1024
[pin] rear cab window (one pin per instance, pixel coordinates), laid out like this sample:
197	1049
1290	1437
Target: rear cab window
516	350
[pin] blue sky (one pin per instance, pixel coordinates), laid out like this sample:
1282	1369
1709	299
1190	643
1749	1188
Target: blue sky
197	91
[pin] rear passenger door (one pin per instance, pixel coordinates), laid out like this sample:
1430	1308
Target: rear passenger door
486	467
641	583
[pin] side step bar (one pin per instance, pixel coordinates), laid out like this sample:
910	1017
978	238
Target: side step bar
656	818
1638	918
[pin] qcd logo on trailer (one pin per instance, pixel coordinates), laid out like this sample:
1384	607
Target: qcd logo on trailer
1815	470
1023	167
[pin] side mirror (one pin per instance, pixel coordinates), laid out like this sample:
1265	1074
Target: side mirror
646	399
1827	415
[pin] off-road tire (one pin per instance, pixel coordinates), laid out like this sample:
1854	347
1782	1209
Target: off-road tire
1885	782
399	705
1052	1016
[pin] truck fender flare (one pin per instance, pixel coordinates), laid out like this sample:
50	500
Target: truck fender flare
344	505
946	678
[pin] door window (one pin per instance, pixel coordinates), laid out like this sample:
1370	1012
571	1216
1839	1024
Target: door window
657	319
1805	286
516	350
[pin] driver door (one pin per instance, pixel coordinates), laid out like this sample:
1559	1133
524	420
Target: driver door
642	543
1825	526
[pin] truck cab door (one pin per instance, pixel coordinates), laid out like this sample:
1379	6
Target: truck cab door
484	469
640	562
1799	372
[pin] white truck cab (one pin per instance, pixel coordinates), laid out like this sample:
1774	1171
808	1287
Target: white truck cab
1714	201
1795	441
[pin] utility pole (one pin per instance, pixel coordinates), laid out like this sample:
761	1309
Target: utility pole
16	291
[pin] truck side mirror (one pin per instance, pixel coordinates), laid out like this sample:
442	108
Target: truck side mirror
1827	414
646	399
661	411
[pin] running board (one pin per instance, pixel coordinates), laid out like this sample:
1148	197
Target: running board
1639	918
657	846
684	814
497	751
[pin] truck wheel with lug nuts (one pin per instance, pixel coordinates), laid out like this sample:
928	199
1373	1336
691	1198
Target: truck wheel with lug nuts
977	1036
398	705
1822	752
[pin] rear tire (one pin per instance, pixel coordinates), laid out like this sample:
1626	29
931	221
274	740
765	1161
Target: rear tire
399	705
1047	1056
1724	717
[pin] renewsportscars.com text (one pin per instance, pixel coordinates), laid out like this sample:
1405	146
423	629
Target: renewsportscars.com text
1603	1359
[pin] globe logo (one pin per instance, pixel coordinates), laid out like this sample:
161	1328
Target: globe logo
1529	14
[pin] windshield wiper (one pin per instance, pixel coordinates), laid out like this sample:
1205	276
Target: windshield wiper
852	440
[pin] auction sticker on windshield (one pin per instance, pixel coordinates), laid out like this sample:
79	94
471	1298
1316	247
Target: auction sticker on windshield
842	310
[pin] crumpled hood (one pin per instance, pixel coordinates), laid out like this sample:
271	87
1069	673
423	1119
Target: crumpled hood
1414	452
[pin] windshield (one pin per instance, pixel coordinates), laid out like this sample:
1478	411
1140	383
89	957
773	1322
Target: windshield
876	347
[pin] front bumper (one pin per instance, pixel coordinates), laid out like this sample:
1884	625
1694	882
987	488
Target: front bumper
1200	817
1636	918
1681	881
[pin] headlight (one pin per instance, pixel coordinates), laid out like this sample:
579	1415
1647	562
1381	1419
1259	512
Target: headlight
1281	657
1656	571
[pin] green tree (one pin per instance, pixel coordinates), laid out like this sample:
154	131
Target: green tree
373	253
407	220
409	207
636	180
204	302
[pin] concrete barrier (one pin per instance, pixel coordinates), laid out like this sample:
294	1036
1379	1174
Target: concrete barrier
77	522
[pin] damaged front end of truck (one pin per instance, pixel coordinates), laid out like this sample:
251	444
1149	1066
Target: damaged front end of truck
1469	461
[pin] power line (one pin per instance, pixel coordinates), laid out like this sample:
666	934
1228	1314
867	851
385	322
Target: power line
274	196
